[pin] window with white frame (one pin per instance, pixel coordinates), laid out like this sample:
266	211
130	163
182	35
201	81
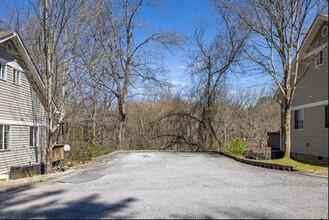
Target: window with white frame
16	76
4	137
33	136
319	58
2	71
299	119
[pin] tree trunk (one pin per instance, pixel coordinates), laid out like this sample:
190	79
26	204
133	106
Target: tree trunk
122	123
94	116
49	149
121	133
287	131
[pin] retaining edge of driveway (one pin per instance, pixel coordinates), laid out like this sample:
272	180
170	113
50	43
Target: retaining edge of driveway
29	180
33	179
261	164
275	166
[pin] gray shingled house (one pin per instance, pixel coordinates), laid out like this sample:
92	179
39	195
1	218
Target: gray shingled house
309	130
22	112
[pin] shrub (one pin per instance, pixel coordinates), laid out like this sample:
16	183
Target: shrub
236	147
258	154
88	152
42	179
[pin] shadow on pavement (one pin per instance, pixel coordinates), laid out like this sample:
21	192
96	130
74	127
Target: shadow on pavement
232	213
20	203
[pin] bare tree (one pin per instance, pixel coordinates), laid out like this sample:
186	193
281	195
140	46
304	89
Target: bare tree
129	60
54	48
278	28
261	117
208	62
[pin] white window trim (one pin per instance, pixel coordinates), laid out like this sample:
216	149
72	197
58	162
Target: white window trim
5	71
37	136
12	64
325	28
22	123
7	47
316	57
19	76
309	105
3	138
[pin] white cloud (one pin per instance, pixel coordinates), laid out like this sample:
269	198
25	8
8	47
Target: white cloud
177	83
182	67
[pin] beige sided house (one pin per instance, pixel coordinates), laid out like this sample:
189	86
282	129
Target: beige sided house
309	124
22	113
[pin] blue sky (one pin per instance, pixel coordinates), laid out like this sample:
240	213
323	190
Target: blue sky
176	15
179	15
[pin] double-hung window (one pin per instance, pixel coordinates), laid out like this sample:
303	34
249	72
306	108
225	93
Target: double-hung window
319	59
33	136
299	119
16	76
4	137
2	71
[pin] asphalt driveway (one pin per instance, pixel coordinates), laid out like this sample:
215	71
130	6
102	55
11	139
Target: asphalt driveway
170	185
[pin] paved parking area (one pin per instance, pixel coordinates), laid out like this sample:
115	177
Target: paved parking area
170	185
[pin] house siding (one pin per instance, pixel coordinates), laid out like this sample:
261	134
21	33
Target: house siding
318	39
20	152
313	87
20	107
311	142
313	138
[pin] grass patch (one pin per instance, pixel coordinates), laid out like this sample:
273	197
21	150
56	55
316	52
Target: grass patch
302	165
42	179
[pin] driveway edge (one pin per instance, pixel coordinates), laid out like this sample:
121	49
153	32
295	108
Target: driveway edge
274	166
34	179
261	164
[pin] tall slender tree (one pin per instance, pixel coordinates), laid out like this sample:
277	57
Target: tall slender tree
54	47
278	28
129	59
209	61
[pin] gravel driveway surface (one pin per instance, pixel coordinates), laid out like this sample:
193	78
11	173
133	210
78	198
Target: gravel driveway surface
170	185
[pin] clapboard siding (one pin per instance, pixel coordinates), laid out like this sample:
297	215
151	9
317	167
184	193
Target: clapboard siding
20	103
313	86
318	39
20	152
314	133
